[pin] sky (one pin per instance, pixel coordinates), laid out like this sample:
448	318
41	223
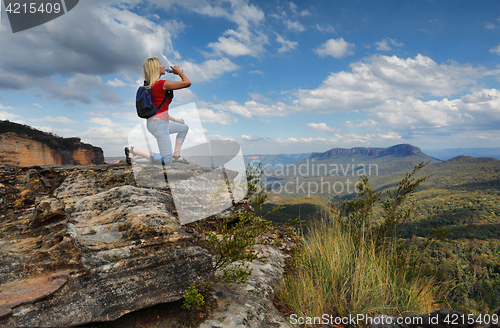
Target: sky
275	76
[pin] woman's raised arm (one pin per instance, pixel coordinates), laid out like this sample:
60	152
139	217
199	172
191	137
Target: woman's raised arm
176	85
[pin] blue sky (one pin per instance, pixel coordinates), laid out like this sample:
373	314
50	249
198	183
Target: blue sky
275	76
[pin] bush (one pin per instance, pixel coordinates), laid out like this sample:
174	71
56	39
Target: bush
350	265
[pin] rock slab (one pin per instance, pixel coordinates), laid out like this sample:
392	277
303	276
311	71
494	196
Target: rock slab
85	244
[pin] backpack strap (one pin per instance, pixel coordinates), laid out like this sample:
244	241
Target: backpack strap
164	99
169	93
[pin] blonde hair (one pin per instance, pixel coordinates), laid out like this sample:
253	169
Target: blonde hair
152	71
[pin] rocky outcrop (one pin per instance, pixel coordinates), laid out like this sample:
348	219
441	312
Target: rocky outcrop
250	305
82	244
23	146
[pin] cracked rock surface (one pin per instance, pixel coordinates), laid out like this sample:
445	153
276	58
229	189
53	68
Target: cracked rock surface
82	244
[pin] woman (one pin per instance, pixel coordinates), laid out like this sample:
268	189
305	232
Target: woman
162	124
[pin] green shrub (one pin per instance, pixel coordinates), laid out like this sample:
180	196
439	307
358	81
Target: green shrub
350	265
195	297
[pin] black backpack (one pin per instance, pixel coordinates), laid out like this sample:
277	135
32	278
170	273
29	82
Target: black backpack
144	103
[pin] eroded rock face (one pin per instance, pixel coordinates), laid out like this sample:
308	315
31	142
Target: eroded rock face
86	244
22	150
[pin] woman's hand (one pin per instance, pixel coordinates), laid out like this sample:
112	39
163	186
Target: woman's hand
176	85
177	70
178	120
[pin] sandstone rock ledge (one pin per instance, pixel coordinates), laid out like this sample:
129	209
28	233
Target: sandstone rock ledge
250	305
81	244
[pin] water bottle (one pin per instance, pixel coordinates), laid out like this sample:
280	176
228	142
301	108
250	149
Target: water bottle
170	70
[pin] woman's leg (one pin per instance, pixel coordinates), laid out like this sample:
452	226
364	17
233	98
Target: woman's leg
160	130
181	130
134	152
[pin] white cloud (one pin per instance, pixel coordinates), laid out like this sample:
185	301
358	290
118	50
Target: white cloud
241	42
294	26
208	70
257	72
8	116
37	105
237	11
489	26
51	129
495	50
110	140
103	47
184	96
478	111
130	115
286	45
337	48
210	116
59	120
5	107
383	45
389	136
325	29
82	88
250	138
103	121
321	127
117	83
253	108
378	78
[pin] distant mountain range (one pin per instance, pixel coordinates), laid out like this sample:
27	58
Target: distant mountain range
274	160
446	154
338	164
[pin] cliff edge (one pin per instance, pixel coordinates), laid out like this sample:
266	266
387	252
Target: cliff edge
21	145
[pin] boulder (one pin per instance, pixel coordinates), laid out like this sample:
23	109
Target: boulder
81	244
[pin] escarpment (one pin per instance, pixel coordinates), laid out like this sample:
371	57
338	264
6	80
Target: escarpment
23	146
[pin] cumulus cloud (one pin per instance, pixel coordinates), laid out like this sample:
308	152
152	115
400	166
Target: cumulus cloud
110	139
209	116
103	121
477	111
384	44
208	70
294	26
392	93
82	88
59	119
337	48
495	50
378	78
253	108
95	40
325	28
320	127
286	45
247	39
103	47
241	42
8	116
